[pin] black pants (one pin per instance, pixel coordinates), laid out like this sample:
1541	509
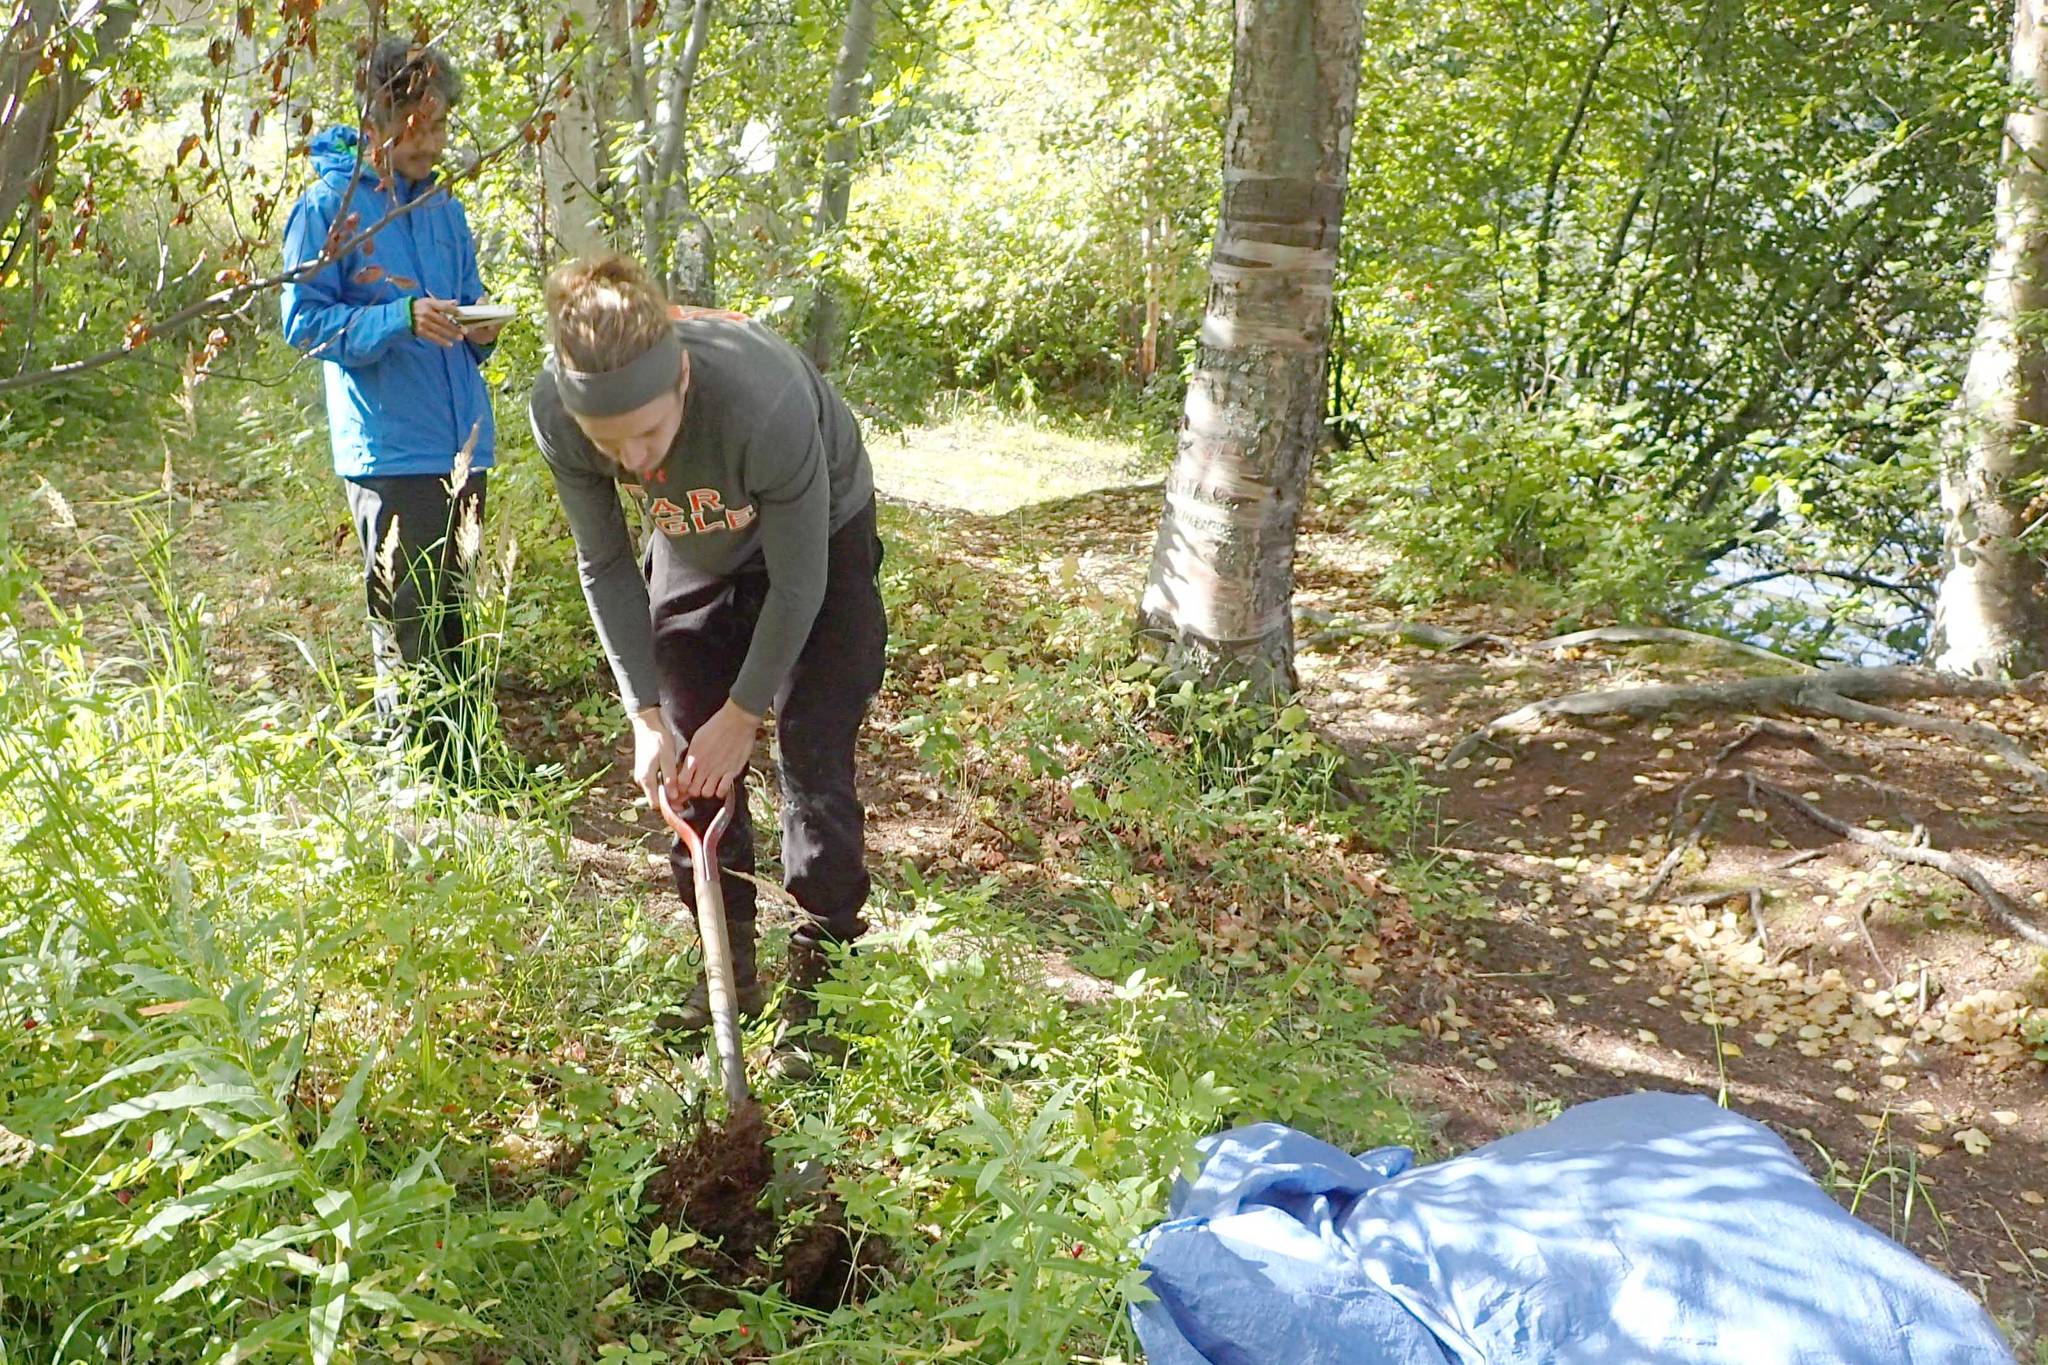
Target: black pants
701	633
418	541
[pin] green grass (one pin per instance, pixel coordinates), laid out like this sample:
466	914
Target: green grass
301	1061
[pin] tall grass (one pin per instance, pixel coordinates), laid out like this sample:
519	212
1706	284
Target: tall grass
300	1063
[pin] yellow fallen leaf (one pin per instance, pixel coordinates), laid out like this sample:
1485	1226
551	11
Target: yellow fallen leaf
1487	1064
1847	1095
1561	1069
2006	1118
1974	1141
2012	1267
1731	1050
1870	1121
1643	1035
1893	1082
2034	1197
1766	1040
1929	1149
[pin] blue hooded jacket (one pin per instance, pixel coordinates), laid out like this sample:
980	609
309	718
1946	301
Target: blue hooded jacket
395	404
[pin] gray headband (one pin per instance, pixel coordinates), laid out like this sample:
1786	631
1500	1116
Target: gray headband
653	373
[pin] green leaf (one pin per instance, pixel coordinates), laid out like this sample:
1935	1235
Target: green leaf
338	1213
441	1315
249	1180
280	1328
248	1251
162	1059
330	1307
341	1121
165	1101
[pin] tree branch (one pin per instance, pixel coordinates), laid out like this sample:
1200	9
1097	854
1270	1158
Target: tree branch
223	301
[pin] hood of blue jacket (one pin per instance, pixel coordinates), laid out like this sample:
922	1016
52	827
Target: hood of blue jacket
334	151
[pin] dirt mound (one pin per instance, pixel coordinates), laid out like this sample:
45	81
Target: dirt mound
716	1185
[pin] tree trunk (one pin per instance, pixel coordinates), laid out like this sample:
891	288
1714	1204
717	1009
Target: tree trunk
678	233
1222	574
571	160
35	109
1991	616
842	107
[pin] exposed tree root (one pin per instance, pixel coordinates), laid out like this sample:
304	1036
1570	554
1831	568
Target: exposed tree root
1755	730
1845	708
1910	851
1962	869
1664	635
1421	634
1810	692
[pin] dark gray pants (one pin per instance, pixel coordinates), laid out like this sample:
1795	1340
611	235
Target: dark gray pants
418	542
701	632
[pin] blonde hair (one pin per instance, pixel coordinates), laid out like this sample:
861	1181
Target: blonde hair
604	312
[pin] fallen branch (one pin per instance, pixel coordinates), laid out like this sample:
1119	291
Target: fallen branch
1664	635
1743	694
1962	869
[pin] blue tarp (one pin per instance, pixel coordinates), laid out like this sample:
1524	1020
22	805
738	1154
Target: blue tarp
1649	1230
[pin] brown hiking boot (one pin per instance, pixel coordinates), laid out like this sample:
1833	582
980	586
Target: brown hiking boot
694	1014
799	1045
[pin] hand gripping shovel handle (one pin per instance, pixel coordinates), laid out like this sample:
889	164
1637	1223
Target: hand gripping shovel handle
718	978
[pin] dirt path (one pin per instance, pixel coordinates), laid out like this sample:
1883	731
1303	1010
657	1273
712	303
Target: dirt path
1874	1020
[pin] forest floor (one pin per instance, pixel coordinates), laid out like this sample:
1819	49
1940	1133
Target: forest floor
1862	1007
1877	1021
1866	1009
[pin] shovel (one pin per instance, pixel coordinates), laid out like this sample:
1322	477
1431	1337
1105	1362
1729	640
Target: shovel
719	986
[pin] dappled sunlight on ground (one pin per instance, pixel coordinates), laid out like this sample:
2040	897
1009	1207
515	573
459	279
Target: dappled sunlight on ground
988	465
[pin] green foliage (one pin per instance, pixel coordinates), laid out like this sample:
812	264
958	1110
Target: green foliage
1474	497
304	1061
1753	244
241	1006
1036	1137
1090	132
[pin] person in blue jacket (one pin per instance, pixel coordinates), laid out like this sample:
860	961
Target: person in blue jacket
385	258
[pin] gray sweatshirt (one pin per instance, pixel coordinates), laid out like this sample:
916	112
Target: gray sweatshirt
767	464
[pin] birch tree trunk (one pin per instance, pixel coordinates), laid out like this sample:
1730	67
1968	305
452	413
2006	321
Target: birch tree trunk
678	233
572	158
1991	615
842	108
1222	575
